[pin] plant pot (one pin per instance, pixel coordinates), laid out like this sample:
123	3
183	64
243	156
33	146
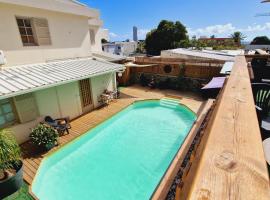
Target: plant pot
12	184
48	147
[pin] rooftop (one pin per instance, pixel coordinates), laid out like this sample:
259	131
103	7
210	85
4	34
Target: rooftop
217	55
27	78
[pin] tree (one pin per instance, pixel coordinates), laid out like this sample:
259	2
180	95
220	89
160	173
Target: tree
167	35
213	36
261	40
238	37
10	153
103	41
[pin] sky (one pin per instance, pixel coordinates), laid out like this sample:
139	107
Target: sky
201	17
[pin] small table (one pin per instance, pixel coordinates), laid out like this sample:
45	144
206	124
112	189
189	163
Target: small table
266	147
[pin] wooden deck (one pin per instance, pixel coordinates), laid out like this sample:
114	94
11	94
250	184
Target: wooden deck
32	158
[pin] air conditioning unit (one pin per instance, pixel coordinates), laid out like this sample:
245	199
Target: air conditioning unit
3	60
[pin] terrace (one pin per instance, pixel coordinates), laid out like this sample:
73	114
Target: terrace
226	162
33	158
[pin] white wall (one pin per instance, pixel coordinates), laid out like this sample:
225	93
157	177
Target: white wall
22	131
47	102
60	101
69	34
98	36
69	100
63	101
101	83
126	48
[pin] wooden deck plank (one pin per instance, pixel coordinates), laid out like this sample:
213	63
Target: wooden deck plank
231	163
33	158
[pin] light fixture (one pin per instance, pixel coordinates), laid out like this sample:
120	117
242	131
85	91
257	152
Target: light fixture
120	74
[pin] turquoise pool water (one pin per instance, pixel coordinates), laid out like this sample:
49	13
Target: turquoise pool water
125	157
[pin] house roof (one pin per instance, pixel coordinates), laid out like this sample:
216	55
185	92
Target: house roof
28	78
108	56
217	55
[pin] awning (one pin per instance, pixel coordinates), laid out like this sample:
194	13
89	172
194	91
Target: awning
227	68
215	83
23	79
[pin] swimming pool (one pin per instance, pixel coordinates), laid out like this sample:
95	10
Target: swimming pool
125	157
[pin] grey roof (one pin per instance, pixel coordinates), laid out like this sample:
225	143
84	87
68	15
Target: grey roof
204	54
27	78
108	56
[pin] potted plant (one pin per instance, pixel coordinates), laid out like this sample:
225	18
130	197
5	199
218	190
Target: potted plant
11	173
44	136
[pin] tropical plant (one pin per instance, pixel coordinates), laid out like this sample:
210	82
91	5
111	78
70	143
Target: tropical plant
10	153
261	40
44	136
238	37
167	35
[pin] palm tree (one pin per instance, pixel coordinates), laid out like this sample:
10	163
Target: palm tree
238	37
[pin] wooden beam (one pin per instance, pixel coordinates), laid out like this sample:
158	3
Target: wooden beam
231	163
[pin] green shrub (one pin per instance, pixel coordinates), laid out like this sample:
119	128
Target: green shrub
10	153
44	136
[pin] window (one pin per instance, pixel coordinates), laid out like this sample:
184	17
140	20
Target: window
7	115
26	31
92	37
34	31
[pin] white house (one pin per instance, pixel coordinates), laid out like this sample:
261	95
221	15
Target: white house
48	67
120	48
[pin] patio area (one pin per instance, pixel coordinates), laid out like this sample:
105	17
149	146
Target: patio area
32	157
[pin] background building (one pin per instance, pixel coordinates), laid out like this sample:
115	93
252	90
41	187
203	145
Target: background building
120	48
135	34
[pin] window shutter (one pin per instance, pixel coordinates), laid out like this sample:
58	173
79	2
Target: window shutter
42	31
26	107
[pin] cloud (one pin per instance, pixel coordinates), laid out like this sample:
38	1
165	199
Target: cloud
224	30
113	35
213	30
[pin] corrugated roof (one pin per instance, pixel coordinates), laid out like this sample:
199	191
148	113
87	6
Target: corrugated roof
27	78
203	54
108	56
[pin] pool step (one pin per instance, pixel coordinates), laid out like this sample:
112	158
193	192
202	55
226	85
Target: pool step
172	103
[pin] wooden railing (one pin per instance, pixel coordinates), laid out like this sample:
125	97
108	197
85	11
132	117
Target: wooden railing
230	163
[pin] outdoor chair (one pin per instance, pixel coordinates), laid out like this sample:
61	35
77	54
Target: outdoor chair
261	94
62	125
261	69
